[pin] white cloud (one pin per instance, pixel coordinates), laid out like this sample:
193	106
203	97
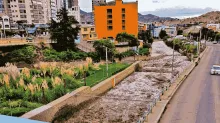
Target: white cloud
149	5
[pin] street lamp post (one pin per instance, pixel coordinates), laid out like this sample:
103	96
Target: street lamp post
106	53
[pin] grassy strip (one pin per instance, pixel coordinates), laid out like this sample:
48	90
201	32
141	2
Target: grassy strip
99	75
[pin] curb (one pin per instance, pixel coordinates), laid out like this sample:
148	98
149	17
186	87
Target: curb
179	81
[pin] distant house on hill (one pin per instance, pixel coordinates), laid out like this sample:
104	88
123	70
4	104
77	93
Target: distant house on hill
214	27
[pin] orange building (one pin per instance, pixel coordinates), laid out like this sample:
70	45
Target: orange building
114	18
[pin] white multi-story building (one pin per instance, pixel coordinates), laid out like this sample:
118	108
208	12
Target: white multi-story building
28	11
38	11
59	4
170	30
4	22
52	8
75	12
215	27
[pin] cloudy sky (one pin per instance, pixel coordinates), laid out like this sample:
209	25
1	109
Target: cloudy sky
155	5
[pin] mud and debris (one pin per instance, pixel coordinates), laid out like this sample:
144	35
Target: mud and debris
128	100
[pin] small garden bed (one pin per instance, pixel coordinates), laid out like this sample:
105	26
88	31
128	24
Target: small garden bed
25	90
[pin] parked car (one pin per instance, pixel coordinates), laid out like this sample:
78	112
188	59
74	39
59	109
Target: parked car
215	69
16	36
215	42
29	39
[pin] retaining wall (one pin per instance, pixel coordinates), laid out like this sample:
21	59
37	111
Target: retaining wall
47	112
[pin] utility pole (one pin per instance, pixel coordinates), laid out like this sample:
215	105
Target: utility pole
200	38
198	45
106	50
84	77
173	59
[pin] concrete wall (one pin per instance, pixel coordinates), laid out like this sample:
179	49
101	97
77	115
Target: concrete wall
85	93
11	41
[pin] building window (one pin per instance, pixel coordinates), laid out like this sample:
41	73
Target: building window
123	27
123	16
5	20
92	29
6	26
110	28
123	22
84	36
109	17
85	29
109	11
109	22
123	10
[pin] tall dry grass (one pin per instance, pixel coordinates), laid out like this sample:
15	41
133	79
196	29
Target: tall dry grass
11	70
26	72
6	80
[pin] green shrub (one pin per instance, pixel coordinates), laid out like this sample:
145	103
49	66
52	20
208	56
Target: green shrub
70	82
144	51
125	54
53	55
25	54
37	96
147	45
95	56
35	72
59	91
17	107
12	93
18	111
49	96
50	55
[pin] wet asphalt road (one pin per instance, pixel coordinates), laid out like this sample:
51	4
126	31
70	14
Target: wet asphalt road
198	98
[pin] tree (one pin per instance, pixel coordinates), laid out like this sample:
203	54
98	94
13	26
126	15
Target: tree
211	34
32	25
63	31
217	36
146	36
124	37
204	33
22	27
100	47
162	34
180	32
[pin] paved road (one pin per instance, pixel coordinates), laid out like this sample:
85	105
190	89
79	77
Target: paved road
198	99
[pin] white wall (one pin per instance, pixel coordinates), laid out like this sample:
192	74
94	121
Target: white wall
75	11
5	20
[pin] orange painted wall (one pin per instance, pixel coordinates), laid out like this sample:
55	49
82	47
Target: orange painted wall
131	19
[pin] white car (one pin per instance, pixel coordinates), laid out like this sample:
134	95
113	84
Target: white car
215	42
215	69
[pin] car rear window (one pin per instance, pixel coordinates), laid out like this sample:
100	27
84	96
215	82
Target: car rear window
216	68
